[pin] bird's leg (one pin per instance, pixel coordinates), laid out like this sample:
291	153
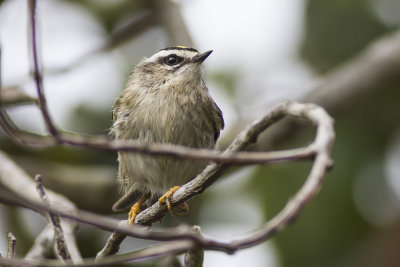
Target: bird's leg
135	209
167	196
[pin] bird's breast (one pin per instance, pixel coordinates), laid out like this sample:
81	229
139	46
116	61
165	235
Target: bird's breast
173	119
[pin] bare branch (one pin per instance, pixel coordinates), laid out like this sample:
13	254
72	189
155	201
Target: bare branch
322	162
13	96
321	145
60	245
103	143
13	179
321	148
99	142
376	66
210	174
112	244
36	69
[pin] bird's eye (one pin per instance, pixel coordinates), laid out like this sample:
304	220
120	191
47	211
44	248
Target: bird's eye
172	60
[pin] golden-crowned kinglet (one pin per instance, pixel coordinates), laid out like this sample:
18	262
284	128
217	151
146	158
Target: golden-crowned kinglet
165	100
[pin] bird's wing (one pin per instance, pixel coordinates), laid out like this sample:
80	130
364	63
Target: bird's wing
218	122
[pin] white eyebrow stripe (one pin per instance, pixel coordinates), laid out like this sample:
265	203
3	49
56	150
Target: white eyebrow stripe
164	53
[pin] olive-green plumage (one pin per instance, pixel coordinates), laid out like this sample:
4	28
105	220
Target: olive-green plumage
165	101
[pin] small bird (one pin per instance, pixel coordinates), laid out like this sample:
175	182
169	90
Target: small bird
165	100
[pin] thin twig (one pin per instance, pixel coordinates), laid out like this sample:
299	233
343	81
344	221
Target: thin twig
14	96
32	24
60	244
13	178
103	143
12	242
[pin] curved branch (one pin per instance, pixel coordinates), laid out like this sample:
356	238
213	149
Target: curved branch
321	146
320	151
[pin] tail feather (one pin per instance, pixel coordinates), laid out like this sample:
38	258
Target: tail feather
128	199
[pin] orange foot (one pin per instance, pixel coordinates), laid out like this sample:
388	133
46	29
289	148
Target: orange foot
167	196
135	209
183	209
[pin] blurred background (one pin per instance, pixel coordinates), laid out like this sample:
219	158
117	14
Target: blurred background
264	52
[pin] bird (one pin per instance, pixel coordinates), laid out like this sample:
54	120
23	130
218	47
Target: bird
165	100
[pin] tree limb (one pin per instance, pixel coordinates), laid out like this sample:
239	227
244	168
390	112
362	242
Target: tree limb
320	151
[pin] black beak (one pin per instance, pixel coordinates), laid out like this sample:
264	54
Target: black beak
201	57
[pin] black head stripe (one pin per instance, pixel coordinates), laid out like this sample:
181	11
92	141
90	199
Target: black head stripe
180	48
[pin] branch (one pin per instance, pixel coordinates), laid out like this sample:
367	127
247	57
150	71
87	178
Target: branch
32	8
14	179
175	247
13	96
60	245
371	71
320	147
103	143
12	242
376	66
